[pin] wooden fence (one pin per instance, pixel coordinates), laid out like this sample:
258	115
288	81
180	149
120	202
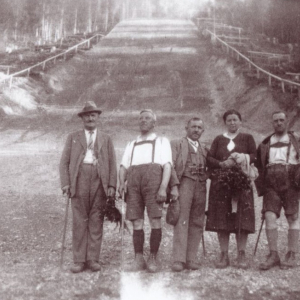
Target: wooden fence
86	43
259	71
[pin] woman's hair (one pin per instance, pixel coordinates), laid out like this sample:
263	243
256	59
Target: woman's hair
231	112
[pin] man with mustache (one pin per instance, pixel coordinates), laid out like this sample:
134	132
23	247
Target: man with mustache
189	160
144	176
277	162
88	176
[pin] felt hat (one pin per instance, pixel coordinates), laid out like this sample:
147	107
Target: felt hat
89	107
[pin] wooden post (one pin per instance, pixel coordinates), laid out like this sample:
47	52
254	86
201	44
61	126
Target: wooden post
270	80
7	71
44	65
28	72
257	73
282	87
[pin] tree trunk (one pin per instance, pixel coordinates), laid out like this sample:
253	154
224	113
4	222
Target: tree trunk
89	25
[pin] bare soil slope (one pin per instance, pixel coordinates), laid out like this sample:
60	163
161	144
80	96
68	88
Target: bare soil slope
161	64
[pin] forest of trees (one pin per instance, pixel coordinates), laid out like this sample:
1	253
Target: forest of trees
53	19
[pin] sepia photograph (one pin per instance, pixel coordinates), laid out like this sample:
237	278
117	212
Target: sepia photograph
149	149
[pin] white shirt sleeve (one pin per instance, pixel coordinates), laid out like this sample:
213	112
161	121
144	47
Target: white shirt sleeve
165	151
127	155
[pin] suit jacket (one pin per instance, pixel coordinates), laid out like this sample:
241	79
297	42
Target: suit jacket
180	152
73	155
262	159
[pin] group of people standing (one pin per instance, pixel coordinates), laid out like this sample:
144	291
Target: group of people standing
153	170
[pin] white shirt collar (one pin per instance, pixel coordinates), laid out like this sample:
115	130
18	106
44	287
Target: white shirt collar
150	137
193	143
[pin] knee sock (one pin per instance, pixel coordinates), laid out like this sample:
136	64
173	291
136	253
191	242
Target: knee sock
272	237
223	237
155	239
293	238
138	241
241	241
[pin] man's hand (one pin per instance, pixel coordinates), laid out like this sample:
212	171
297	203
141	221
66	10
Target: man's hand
111	192
66	191
161	195
174	193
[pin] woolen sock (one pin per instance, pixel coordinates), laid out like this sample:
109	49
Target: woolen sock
155	239
272	237
223	237
293	238
138	240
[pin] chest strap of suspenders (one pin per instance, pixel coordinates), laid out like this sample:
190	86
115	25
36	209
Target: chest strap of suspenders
153	142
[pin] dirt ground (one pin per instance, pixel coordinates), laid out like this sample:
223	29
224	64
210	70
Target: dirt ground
159	64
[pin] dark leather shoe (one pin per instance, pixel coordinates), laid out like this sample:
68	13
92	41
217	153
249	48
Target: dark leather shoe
223	262
178	266
138	264
77	267
152	264
192	265
272	261
94	266
289	261
241	260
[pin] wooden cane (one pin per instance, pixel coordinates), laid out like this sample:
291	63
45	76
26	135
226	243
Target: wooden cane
261	226
203	245
64	233
122	232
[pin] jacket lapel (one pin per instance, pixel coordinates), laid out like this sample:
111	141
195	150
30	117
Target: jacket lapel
99	140
185	150
82	139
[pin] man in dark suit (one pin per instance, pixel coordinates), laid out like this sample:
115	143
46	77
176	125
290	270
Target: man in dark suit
88	176
189	160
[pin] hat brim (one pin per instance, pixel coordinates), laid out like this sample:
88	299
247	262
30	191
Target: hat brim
90	111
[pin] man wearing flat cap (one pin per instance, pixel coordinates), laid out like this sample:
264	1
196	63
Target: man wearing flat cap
88	176
146	167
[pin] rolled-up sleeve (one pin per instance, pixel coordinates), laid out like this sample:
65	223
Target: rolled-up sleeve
165	152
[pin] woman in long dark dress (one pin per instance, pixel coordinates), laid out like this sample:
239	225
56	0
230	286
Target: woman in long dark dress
230	211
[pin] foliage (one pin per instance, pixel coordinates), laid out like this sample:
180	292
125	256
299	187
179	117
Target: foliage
232	179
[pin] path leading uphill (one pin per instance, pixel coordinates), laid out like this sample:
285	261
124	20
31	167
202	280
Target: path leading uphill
160	64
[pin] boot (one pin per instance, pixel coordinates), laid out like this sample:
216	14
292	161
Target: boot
241	260
94	266
192	265
139	263
152	263
77	267
223	262
178	266
289	261
272	261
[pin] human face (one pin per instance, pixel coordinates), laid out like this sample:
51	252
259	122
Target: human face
280	123
146	122
194	130
233	123
90	120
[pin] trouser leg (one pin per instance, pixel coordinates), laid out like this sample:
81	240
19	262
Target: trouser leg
181	229
97	201
87	222
196	222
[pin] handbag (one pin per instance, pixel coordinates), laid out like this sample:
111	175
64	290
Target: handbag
173	211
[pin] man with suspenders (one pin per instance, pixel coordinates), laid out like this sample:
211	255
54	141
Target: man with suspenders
144	176
277	163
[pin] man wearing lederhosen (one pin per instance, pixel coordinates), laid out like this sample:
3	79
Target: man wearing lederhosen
88	176
146	167
277	162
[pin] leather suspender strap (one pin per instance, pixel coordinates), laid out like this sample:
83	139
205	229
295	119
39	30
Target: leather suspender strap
153	142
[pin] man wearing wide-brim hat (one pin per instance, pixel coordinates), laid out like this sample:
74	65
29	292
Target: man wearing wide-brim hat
88	176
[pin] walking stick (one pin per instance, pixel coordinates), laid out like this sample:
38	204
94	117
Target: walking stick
64	233
203	245
261	226
122	232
